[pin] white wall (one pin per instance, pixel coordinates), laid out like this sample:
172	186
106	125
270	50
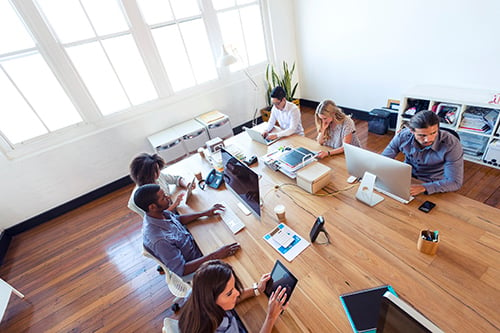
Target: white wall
362	52
37	183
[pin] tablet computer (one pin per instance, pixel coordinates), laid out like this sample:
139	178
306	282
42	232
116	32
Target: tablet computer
362	307
189	190
281	276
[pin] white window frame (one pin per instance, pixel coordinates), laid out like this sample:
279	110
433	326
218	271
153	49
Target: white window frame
58	61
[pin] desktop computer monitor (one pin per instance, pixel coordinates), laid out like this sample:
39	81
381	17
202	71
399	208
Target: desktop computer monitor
393	177
396	315
242	181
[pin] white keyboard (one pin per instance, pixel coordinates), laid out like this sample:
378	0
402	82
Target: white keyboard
231	219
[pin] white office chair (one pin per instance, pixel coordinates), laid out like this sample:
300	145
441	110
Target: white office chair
5	290
131	205
170	325
178	287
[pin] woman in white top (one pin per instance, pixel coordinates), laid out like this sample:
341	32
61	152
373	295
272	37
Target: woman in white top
146	169
334	128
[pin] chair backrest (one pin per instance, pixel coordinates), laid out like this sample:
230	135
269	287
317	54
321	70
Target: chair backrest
449	130
170	326
177	286
132	206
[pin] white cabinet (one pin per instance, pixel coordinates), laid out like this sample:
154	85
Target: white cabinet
217	124
178	141
473	114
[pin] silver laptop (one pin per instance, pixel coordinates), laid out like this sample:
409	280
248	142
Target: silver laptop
257	136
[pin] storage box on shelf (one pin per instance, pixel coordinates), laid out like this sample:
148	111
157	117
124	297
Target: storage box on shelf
216	123
469	112
178	141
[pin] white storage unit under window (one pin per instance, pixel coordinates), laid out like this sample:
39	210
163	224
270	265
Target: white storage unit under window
194	135
217	124
178	141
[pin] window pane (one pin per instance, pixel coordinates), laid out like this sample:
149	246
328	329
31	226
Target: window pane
130	68
254	34
199	51
42	91
221	4
232	35
67	19
155	11
17	37
244	2
185	8
99	77
106	16
17	120
174	57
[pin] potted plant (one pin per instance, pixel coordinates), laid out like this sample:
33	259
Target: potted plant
274	79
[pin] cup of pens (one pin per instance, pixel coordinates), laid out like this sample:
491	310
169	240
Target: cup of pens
428	241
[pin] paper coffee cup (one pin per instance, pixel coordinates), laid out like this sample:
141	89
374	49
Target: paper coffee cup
198	175
201	151
280	212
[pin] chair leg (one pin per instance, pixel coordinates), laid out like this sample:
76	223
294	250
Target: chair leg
175	307
15	291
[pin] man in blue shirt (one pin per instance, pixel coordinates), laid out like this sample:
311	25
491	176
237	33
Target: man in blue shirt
165	236
436	156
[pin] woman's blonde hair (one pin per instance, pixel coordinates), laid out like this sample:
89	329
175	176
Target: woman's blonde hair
330	109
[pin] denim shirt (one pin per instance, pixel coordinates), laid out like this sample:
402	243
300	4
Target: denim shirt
169	241
440	166
230	324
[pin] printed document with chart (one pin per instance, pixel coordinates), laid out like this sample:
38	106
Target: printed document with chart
286	241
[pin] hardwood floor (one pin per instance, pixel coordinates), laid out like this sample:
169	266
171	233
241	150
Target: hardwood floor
84	271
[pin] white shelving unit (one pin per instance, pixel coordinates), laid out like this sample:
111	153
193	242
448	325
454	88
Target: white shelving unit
471	113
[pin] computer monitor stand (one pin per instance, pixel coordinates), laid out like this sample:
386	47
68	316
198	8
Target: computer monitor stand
365	192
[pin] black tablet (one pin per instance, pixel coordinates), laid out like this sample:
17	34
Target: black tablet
281	276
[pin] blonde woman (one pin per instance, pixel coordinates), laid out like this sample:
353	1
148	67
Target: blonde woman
334	128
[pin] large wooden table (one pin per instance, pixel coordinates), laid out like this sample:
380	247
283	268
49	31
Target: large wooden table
458	288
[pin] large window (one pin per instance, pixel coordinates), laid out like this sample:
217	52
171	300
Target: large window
68	64
242	30
32	102
98	40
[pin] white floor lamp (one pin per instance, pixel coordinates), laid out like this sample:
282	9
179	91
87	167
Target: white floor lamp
227	59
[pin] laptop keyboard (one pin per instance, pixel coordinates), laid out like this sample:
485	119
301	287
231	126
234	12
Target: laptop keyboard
231	219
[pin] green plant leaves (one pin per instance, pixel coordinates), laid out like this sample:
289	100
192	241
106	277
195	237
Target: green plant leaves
273	79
